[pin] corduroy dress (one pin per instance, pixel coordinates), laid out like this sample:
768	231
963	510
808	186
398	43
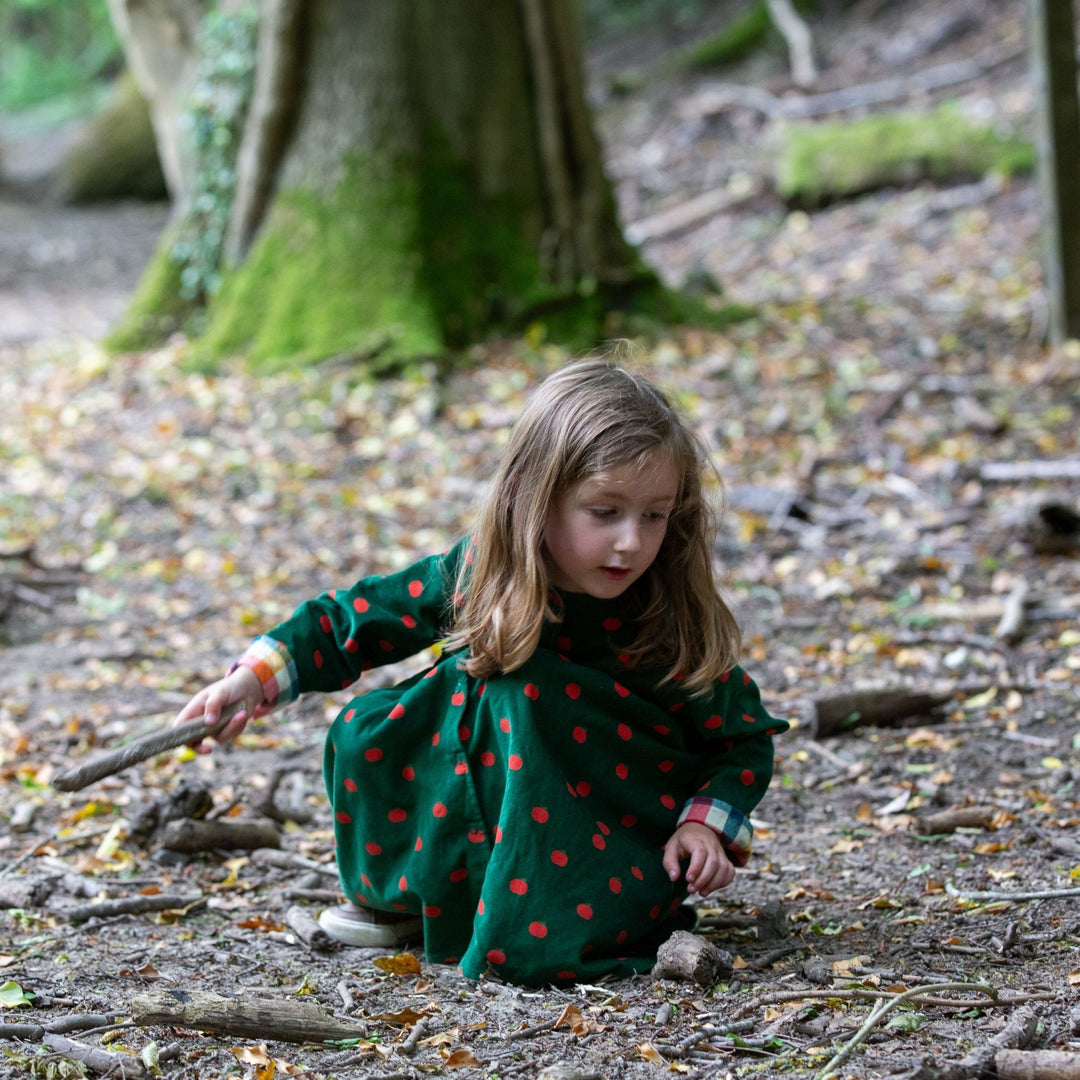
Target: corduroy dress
522	816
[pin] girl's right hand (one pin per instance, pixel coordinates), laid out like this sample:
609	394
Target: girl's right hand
240	687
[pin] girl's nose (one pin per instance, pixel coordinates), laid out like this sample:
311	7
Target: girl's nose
628	538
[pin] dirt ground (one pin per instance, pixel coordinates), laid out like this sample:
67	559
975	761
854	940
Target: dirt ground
900	456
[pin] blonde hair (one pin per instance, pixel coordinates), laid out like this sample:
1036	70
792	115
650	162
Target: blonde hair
586	418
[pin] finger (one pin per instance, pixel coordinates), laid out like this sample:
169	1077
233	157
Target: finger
694	872
672	854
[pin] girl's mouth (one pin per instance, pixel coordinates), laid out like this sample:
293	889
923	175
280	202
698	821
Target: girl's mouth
615	573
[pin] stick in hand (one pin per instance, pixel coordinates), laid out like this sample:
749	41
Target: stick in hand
146	746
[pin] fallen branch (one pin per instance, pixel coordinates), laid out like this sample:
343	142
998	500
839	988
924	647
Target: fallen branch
146	746
1010	627
308	930
992	895
133	905
800	44
959	817
1008	472
190	836
687	957
95	1059
1012	1064
880	708
285	1019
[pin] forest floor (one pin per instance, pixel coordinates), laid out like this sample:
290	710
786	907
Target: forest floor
900	454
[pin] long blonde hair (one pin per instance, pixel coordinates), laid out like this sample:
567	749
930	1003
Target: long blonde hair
586	418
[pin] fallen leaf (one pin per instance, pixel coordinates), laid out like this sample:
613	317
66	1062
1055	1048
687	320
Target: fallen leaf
401	964
462	1059
649	1053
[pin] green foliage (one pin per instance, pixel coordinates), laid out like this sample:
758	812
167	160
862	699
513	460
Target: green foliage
737	39
822	162
214	119
50	50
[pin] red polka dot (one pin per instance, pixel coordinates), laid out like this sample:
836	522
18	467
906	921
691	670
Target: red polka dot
621	690
538	929
409	773
654	911
515	762
372	848
403	883
435	739
612	623
603	828
326	624
583	787
349	715
496	956
430	673
439	810
573	691
628	821
386	646
532	691
476	836
667	801
624	658
504	725
519	887
615	885
366	880
415	588
562	643
461	768
397	814
566	975
559	858
409	621
666	766
419	845
580	734
460	874
397	712
463	733
598	842
352	645
431	911
621	771
714	722
360	604
343	818
457	698
621	936
747	777
746	678
373	753
749	719
661	729
584	911
725	676
637	873
487	758
498	834
480	908
480	689
318	659
540	814
350	784
624	732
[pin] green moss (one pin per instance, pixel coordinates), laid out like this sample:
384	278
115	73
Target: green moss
738	38
157	308
823	162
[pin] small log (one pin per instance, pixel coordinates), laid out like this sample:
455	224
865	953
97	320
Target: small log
290	860
146	746
1010	627
798	38
283	1019
190	836
308	930
1037	1065
132	905
879	708
959	817
687	957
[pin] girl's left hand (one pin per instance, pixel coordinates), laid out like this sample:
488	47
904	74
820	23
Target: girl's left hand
710	868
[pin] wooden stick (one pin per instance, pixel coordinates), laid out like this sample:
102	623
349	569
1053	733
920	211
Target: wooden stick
284	1019
112	762
132	905
884	708
95	1059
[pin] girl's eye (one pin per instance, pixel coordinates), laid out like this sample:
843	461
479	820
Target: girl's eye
601	511
657	515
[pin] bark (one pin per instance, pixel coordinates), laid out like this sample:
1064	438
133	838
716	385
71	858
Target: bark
860	708
686	957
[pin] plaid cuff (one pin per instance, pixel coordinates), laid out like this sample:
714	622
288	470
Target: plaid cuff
273	667
731	825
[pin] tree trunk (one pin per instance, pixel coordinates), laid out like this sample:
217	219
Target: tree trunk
414	174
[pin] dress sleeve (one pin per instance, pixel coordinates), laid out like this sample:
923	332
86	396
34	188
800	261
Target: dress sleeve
329	641
733	732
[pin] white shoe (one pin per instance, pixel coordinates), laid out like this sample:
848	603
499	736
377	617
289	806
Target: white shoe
368	928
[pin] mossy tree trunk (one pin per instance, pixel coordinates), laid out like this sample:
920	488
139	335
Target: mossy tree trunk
413	174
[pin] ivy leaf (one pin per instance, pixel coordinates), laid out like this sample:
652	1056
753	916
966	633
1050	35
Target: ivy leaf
13	996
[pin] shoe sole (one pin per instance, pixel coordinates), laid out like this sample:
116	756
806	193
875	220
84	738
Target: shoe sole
370	935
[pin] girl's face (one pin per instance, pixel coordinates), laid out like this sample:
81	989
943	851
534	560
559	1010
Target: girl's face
604	532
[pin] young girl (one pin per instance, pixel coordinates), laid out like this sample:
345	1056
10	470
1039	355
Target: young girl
585	751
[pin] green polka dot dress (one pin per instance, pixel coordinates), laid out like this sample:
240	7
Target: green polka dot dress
522	816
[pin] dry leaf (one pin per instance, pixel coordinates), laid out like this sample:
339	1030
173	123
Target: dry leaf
402	964
462	1059
408	1017
649	1053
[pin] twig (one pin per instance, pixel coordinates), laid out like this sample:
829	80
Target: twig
146	746
886	1005
408	1047
133	905
536	1029
1030	894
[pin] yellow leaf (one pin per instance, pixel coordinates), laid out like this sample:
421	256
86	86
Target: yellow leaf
402	964
571	1017
408	1017
649	1053
1053	763
1074	978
